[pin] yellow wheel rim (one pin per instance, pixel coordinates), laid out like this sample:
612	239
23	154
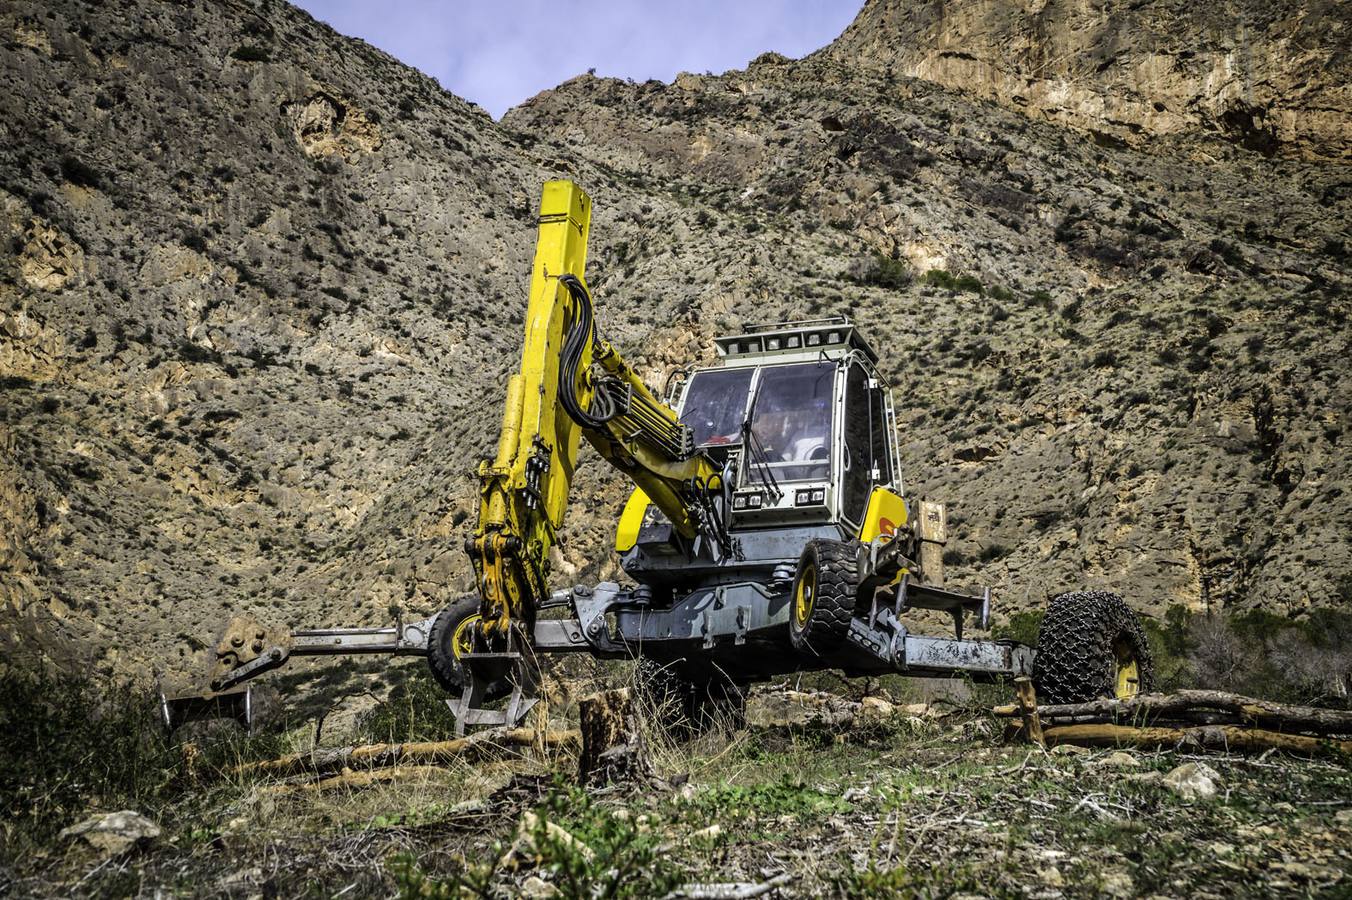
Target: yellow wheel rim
1126	671
462	639
804	595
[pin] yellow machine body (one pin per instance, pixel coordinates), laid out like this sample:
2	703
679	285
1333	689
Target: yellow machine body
524	490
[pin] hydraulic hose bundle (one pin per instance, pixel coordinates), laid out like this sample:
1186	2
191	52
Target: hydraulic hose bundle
611	397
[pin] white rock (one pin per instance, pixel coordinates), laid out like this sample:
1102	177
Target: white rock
1119	759
1193	781
875	708
1117	884
537	888
112	834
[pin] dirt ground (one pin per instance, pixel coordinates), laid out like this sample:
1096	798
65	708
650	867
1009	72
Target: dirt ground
816	796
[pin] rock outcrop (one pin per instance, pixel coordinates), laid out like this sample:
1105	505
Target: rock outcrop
1272	77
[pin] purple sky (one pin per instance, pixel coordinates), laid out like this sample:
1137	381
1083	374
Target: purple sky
501	53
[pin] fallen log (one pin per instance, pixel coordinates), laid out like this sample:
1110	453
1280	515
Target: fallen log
374	756
357	779
1247	710
1228	738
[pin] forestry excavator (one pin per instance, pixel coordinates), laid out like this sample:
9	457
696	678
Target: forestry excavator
767	531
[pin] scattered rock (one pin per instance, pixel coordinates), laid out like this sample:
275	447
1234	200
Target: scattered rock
875	708
798	709
49	260
1119	759
707	834
1193	781
537	888
524	847
112	834
1117	883
1069	750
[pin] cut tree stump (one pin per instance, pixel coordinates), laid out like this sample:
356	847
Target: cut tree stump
1032	722
613	749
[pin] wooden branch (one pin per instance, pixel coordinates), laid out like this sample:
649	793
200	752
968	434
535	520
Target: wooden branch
357	779
1207	737
1247	710
373	756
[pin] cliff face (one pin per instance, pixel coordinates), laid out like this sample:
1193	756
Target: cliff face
262	284
1273	77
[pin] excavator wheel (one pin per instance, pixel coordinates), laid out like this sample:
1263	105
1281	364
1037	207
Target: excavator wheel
825	592
449	638
1091	646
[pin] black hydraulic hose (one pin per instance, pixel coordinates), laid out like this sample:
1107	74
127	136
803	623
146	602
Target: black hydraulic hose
609	397
581	333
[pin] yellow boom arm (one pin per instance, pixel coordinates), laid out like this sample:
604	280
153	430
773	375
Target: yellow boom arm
558	395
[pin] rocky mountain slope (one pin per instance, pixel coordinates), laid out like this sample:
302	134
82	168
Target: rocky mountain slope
263	284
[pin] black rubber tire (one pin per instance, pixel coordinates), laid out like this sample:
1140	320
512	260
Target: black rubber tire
836	570
446	667
1075	659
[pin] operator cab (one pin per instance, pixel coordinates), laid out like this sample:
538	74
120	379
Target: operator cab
806	418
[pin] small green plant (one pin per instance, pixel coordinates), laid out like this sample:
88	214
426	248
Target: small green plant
881	271
786	797
941	278
578	845
251	53
415	710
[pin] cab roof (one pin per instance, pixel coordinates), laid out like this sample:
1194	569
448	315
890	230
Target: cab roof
787	341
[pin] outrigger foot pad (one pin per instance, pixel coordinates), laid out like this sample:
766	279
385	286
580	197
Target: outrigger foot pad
481	671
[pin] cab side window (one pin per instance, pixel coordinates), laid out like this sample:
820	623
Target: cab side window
878	425
859	444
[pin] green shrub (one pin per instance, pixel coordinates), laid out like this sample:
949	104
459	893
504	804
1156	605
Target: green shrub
251	53
1022	627
415	710
970	284
581	847
67	745
78	172
881	271
1255	653
941	278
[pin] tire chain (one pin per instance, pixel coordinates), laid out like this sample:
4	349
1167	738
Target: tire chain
1074	648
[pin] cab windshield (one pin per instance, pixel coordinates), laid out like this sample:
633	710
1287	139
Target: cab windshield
792	420
715	405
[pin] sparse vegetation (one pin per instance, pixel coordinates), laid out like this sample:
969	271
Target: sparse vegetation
251	53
